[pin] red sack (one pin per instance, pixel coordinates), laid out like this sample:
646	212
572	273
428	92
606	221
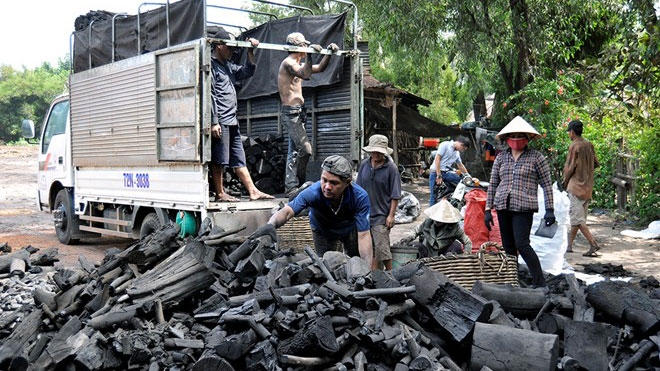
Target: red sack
474	225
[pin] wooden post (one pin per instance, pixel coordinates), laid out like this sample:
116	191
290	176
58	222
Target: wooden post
395	154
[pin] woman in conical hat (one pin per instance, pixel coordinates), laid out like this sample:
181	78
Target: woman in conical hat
440	233
512	192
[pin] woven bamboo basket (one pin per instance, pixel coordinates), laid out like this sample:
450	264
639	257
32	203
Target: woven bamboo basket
484	266
296	234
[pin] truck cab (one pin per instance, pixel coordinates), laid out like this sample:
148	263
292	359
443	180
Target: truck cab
55	177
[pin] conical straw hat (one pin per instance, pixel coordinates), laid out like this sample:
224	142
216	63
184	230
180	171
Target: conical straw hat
518	125
443	212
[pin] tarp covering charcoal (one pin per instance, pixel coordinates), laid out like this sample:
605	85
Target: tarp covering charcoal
93	36
186	23
320	29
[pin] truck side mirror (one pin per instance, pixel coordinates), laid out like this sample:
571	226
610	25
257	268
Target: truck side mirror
28	129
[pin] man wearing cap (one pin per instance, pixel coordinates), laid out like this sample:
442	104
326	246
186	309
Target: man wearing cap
291	73
226	143
447	155
338	212
440	233
512	192
579	184
380	177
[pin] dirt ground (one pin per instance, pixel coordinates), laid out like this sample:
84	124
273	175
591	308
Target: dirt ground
22	224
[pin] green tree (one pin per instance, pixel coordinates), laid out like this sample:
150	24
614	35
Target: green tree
595	60
27	95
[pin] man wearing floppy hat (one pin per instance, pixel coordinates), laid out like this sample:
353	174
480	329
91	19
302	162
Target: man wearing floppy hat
512	192
440	233
380	177
338	212
291	73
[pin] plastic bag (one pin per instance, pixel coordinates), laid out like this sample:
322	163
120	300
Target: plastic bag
474	225
408	209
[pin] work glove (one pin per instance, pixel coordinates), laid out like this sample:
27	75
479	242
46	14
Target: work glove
549	217
316	47
488	219
406	240
333	47
265	230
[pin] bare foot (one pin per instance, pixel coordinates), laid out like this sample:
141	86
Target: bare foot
223	197
258	195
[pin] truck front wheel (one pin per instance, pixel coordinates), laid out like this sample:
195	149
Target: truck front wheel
64	218
150	224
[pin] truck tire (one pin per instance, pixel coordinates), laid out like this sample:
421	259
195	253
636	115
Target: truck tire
150	224
64	218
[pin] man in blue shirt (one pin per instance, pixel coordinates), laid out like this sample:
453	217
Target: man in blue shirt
447	155
338	212
226	144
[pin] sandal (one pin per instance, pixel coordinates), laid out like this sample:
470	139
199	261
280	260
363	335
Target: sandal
591	253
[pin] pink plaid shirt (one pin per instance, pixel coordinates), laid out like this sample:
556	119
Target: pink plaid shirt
517	182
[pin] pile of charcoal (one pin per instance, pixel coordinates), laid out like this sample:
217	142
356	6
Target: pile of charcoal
221	301
265	159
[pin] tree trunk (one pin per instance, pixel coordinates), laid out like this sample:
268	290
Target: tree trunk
520	22
504	348
614	297
520	301
25	333
586	342
453	308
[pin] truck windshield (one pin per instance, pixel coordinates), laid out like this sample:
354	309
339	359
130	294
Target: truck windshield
56	124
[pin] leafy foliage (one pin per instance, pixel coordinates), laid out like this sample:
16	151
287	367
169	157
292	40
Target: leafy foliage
27	95
549	61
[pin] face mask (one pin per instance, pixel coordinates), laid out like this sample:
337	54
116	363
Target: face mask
517	143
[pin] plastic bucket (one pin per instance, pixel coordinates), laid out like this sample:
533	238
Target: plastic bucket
402	254
430	142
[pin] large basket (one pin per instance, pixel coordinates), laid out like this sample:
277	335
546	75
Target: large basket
484	266
296	234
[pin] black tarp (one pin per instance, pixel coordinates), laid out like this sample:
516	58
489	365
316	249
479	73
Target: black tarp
321	29
186	18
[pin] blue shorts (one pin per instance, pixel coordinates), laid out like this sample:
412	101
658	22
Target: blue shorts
228	149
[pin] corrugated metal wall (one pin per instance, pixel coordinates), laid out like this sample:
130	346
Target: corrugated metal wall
114	111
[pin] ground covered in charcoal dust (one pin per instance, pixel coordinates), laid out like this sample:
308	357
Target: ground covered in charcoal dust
22	224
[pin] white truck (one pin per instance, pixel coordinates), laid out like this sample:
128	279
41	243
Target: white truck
127	148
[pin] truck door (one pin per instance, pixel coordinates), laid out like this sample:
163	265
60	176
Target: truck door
54	161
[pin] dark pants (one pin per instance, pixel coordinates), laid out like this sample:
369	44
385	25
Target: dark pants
448	177
300	150
324	243
515	228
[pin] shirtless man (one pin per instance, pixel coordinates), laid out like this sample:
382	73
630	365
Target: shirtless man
289	82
